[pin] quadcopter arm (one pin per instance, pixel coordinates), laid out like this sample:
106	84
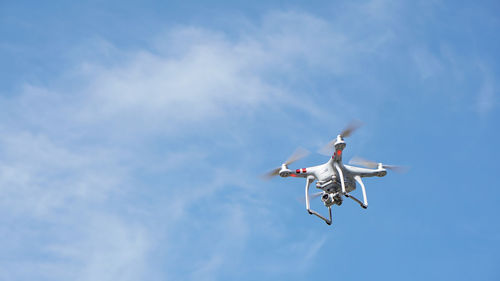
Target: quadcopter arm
309	180
296	173
301	173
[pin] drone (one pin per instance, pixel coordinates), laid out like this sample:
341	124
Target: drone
334	179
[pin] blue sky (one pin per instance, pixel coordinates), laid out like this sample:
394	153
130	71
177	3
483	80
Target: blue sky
133	136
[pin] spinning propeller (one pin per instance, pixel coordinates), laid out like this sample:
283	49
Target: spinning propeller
353	126
316	195
371	164
328	148
312	196
298	154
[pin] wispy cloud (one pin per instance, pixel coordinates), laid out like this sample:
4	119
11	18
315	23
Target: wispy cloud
147	163
142	163
486	96
78	160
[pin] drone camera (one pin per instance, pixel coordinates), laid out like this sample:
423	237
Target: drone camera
327	199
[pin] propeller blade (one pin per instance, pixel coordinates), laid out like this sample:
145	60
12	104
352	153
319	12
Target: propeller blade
311	196
371	164
298	154
316	195
363	162
353	126
397	169
327	149
272	173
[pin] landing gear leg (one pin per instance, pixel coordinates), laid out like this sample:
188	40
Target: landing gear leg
358	179
357	200
309	180
365	201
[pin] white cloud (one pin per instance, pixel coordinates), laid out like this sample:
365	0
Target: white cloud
143	166
39	175
101	154
105	248
464	80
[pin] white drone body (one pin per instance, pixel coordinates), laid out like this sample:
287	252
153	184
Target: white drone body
335	179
